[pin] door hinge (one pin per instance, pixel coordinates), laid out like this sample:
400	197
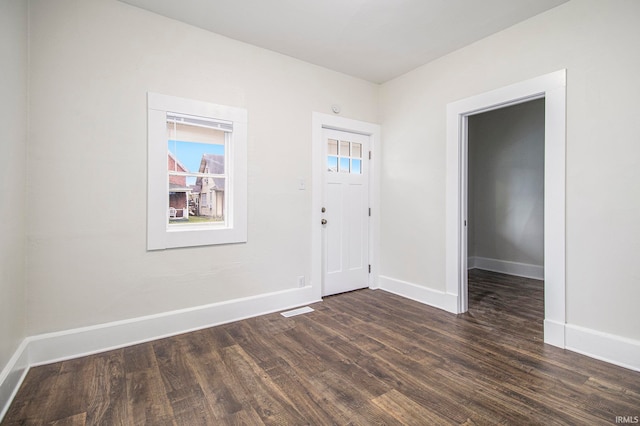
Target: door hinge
369	268
369	155
369	211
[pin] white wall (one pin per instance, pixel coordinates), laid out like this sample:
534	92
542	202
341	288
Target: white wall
13	122
506	184
597	43
92	63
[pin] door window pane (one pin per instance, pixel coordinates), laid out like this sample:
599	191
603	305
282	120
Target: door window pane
344	149
332	163
333	147
356	150
344	165
356	166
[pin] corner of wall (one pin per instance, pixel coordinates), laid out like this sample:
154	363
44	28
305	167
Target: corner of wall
14	121
12	376
53	347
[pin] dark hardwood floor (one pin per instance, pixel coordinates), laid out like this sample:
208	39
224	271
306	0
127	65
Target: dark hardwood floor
366	357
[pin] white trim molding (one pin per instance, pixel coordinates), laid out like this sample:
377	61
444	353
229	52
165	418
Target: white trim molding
506	267
60	346
604	346
551	87
554	333
428	296
53	347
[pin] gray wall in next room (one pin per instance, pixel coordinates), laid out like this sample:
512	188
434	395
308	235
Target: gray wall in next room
506	184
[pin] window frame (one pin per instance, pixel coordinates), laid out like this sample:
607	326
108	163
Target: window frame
340	157
160	235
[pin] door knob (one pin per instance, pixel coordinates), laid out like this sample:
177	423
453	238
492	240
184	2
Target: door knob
323	221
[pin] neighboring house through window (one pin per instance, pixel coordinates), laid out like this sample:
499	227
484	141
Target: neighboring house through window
179	192
197	195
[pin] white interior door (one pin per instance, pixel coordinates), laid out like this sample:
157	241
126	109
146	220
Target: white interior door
345	215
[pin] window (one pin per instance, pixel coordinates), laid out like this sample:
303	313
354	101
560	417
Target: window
344	157
197	173
197	167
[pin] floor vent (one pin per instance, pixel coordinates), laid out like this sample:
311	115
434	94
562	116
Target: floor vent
295	312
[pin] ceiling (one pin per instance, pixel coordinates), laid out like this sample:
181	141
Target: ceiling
376	40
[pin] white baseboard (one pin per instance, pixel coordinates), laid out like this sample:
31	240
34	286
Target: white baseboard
554	333
12	376
437	299
603	346
506	267
53	347
610	348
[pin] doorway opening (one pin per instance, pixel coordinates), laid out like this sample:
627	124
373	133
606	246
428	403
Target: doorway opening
552	88
505	211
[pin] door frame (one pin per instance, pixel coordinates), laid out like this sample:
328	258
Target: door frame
319	122
551	87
